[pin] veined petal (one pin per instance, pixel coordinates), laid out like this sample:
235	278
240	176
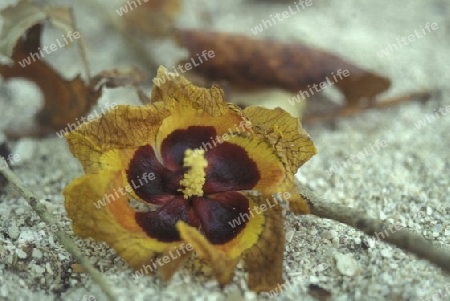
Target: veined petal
124	127
150	180
248	235
297	204
243	163
169	85
178	258
260	244
174	146
264	261
230	168
284	133
223	266
191	128
291	143
222	215
160	223
114	221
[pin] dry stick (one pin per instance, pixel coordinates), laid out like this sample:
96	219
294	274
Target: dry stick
403	239
81	43
46	216
347	111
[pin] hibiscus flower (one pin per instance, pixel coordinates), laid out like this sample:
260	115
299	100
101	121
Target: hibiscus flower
204	167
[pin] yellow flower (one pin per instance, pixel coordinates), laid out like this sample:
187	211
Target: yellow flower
196	161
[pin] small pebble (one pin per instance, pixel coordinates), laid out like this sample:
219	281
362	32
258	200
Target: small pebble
4	291
36	254
13	232
235	296
210	284
21	254
49	268
250	296
289	236
437	228
39	270
386	253
335	242
370	242
25	150
329	234
346	264
21	210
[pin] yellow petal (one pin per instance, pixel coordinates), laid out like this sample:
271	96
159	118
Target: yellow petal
223	266
114	222
291	143
297	204
124	127
170	86
264	261
177	259
284	133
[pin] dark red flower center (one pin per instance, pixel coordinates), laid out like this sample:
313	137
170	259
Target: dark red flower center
229	170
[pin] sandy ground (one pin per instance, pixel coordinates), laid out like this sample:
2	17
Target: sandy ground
406	181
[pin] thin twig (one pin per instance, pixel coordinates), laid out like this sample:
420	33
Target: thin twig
81	43
46	216
347	111
402	238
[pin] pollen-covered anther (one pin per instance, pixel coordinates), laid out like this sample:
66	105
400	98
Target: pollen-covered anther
194	178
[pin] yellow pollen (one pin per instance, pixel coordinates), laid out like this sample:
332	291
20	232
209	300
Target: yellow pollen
194	178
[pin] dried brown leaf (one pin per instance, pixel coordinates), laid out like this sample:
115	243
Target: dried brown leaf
64	100
250	63
18	19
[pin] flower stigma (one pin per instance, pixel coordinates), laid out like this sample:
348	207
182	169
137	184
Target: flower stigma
194	178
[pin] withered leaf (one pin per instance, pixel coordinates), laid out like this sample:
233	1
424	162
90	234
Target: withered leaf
251	63
64	100
29	15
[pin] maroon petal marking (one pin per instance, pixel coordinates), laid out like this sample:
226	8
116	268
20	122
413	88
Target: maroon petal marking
229	169
222	215
176	143
160	224
165	183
